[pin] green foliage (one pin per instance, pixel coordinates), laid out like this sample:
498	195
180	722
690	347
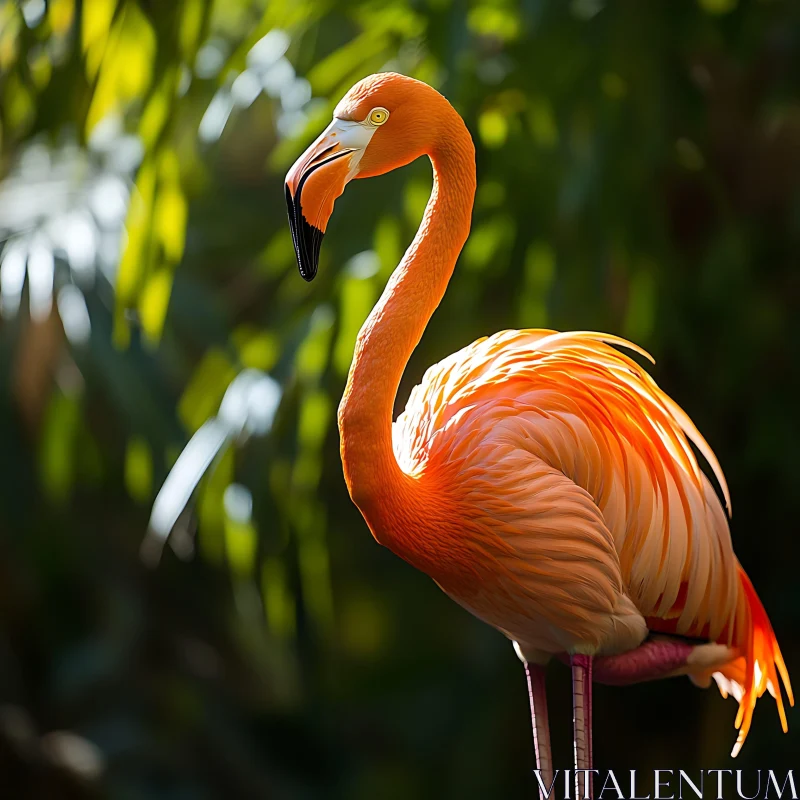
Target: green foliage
638	173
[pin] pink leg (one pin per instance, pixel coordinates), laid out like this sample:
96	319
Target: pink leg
582	721
659	657
540	724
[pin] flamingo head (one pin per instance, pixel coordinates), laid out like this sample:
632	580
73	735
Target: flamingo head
383	122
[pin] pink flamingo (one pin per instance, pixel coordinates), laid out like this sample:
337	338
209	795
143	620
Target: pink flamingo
542	479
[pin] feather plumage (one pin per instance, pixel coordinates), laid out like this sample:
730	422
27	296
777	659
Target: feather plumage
569	466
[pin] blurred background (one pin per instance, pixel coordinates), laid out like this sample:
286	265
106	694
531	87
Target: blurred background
163	364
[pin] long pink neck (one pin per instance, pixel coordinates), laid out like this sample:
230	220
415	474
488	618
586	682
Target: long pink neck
378	486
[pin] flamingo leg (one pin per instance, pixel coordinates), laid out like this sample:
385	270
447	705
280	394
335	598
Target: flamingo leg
540	724
582	722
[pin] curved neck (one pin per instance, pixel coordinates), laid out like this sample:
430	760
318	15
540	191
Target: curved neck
395	326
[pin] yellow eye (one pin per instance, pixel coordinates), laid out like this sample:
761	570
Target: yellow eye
378	116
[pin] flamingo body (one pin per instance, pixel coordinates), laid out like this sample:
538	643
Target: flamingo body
542	479
583	515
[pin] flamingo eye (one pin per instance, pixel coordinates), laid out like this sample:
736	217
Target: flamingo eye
378	116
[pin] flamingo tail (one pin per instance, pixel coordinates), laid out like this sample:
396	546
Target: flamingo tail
757	669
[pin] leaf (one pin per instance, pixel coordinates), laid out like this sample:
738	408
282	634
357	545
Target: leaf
127	63
191	25
315	414
312	357
41	68
156	227
18	104
210	508
388	245
170	216
358	295
487	242
10	24
250	403
96	16
342	63
157	110
718	6
202	396
314	562
241	544
542	121
257	349
415	199
134	259
139	469
540	268
153	304
493	128
279	604
57	453
60	14
181	483
494	20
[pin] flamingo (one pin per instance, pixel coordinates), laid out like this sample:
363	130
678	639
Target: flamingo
541	479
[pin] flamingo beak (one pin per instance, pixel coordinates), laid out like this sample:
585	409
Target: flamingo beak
317	178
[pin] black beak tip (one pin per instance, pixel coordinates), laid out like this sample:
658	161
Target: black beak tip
307	239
